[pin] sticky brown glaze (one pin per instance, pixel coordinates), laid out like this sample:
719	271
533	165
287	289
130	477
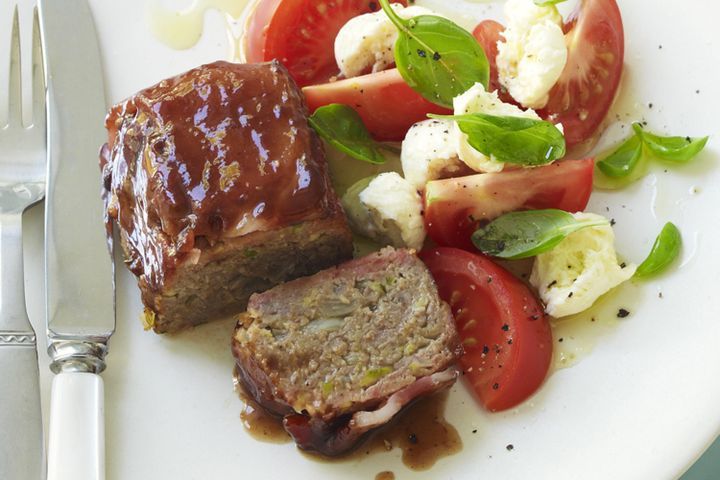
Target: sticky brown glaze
219	152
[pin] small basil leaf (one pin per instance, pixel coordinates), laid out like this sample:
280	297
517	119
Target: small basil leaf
391	148
342	127
437	58
545	3
526	234
671	149
517	140
665	250
604	182
356	212
622	161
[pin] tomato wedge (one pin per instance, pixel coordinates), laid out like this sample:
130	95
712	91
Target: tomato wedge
301	34
387	105
487	34
581	98
455	207
506	335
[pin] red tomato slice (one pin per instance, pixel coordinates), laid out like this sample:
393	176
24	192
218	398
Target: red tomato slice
506	335
301	34
387	105
455	207
487	34
586	89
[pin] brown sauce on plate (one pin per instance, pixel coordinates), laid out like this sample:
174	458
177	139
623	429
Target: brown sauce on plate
385	476
421	432
257	422
261	425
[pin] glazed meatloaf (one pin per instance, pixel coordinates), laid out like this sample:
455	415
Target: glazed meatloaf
219	189
340	353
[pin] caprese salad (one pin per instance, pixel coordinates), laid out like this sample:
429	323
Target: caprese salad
493	125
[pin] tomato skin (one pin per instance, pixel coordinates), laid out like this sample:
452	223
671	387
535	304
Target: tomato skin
487	34
387	105
301	34
257	28
583	95
505	332
455	207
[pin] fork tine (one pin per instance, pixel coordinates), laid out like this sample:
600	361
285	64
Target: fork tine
38	75
15	80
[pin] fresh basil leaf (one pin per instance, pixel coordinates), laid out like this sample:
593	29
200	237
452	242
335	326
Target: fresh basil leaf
517	140
356	212
665	250
622	161
437	58
545	3
671	149
526	234
604	182
342	127
630	161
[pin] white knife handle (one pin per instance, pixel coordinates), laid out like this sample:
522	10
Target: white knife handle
76	447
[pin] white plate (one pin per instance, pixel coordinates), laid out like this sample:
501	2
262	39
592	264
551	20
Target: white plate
643	404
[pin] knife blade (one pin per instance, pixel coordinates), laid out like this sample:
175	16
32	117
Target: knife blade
80	274
80	278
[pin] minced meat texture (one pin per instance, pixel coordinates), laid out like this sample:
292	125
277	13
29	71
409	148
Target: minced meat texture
347	339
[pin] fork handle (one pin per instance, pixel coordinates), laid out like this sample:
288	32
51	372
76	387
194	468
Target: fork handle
13	315
21	437
76	447
21	445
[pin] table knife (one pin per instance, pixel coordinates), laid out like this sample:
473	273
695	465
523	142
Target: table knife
80	281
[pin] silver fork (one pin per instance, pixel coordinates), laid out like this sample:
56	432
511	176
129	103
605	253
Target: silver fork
22	184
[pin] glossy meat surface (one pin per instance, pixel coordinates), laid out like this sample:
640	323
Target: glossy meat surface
214	154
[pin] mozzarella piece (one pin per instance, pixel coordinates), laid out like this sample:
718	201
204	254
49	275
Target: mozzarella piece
534	53
366	42
388	210
429	152
521	14
477	100
581	268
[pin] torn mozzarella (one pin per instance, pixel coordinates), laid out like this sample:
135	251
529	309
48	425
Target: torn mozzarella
580	269
533	55
366	43
429	152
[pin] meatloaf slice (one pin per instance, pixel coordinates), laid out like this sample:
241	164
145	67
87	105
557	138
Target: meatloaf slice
219	189
341	352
